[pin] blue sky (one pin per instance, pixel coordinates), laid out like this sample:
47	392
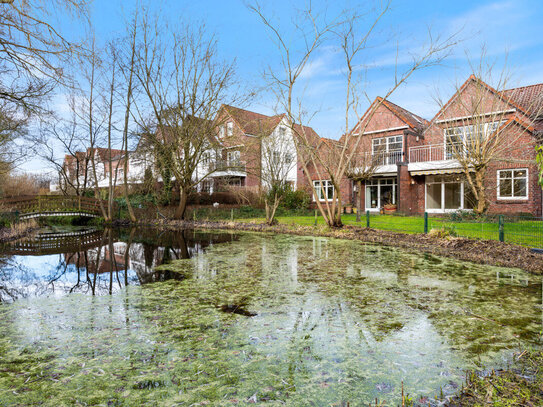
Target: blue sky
504	27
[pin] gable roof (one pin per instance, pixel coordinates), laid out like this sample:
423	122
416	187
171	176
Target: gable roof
410	118
503	96
255	124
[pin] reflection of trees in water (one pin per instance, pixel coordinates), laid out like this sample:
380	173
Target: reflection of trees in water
120	258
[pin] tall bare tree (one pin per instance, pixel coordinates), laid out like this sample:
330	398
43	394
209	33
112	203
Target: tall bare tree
34	57
278	165
184	84
350	31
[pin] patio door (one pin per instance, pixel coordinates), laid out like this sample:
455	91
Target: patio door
380	192
447	194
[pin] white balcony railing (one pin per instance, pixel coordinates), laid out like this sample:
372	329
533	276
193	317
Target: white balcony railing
380	158
435	152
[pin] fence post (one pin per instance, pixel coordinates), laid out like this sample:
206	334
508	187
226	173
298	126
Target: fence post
367	219
500	228
425	223
232	214
316	220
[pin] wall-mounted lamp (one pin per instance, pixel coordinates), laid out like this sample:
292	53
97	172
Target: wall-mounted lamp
412	182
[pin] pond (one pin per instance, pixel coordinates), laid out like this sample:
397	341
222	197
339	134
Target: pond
145	317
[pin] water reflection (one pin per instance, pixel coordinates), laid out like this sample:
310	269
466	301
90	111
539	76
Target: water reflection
59	261
322	322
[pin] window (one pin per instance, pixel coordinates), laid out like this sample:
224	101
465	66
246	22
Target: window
324	190
221	131
380	192
288	158
233	157
513	184
457	138
206	159
447	193
388	149
229	129
282	131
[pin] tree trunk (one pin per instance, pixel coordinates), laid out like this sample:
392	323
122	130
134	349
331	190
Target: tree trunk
482	204
182	207
270	211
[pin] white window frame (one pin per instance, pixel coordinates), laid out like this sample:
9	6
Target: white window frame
377	183
221	131
233	157
443	209
229	129
513	198
318	189
464	132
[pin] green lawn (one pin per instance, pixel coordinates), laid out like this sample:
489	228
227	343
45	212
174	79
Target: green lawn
525	233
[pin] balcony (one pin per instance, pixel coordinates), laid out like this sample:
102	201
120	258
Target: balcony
433	157
228	167
381	162
383	158
435	152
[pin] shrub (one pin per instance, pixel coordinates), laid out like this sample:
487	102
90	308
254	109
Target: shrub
297	200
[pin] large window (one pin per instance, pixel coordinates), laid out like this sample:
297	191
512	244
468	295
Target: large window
388	150
324	190
513	184
380	192
447	193
457	138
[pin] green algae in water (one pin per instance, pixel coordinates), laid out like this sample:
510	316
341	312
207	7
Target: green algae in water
336	322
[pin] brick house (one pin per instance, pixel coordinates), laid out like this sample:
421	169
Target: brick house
417	170
247	142
77	169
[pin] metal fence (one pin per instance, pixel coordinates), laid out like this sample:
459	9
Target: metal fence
523	230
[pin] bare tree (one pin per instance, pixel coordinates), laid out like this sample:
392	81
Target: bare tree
278	165
184	84
331	159
127	66
489	127
33	58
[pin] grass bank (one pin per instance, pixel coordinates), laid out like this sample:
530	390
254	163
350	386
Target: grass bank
524	231
478	251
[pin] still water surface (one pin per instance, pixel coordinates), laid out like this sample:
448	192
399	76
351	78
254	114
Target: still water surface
196	318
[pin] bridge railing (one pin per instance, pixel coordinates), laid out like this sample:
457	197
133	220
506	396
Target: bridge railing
52	203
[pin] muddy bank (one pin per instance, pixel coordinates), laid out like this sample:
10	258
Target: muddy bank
521	385
478	251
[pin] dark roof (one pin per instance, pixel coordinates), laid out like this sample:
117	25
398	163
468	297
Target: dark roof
255	124
410	118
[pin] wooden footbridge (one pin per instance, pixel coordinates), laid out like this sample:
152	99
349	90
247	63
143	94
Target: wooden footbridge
27	207
55	243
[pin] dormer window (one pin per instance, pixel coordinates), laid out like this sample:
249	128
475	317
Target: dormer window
229	129
221	131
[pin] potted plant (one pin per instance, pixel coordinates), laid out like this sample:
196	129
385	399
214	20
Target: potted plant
390	208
